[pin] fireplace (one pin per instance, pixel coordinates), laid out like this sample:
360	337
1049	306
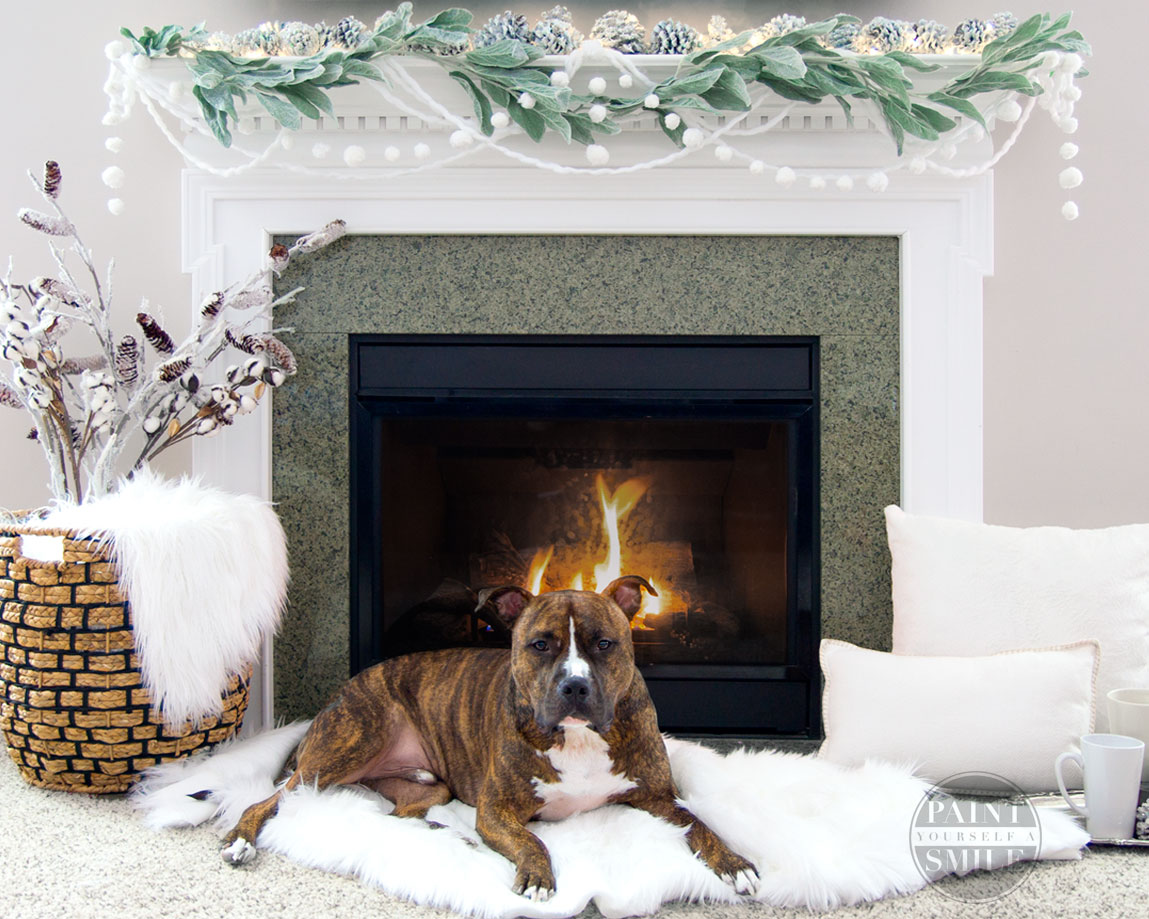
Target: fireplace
889	283
552	462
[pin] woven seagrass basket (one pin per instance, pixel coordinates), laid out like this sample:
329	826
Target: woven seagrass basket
75	713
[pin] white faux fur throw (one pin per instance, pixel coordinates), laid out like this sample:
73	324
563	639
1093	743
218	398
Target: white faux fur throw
821	835
206	575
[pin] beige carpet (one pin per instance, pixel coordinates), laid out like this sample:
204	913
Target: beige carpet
66	856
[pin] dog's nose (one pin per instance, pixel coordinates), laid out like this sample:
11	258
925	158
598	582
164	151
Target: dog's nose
575	687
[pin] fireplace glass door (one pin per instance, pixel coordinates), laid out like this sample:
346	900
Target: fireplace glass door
561	463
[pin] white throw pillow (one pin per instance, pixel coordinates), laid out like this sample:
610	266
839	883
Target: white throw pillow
964	588
1007	714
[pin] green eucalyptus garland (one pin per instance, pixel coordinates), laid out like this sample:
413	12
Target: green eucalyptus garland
800	64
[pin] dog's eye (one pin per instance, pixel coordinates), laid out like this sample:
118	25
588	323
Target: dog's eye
605	643
540	645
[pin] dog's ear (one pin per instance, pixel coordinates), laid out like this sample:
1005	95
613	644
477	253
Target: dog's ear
627	593
508	601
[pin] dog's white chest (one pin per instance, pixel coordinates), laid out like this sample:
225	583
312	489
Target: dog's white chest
585	777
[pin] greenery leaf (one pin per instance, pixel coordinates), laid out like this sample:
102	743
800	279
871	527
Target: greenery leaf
479	99
505	53
283	112
729	93
528	119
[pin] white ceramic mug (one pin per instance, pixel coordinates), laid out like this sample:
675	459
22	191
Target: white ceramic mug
1112	767
1129	715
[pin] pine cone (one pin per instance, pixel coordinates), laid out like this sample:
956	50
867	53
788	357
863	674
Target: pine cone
212	305
127	360
971	35
348	32
282	354
263	40
882	34
672	37
172	370
1003	24
717	30
842	36
929	37
786	23
249	344
299	39
620	30
555	32
505	25
159	339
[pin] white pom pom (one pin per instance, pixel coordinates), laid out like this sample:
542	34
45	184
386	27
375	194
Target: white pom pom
286	141
625	80
1071	63
597	86
111	119
1070	178
724	153
597	113
392	154
526	100
785	176
757	167
116	206
651	101
176	92
461	139
1069	210
1069	125
817	183
422	151
597	155
844	183
320	151
693	137
977	133
1050	60
113	177
877	181
354	155
1069	150
560	78
141	63
500	119
918	165
1009	110
672	120
1072	93
114	50
114	144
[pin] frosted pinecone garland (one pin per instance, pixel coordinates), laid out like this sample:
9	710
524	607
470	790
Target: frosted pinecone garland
883	35
262	40
842	36
929	37
672	37
972	35
555	32
620	30
505	25
780	25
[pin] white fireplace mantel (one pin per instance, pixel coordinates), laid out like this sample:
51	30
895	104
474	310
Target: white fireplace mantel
945	228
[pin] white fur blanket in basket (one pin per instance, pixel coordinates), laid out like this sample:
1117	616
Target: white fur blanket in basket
205	573
821	835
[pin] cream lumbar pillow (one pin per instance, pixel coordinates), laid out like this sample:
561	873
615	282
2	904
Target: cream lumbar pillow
1009	715
964	588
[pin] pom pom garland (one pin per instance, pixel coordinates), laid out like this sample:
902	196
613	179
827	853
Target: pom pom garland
724	153
757	167
113	177
785	176
625	81
597	155
501	120
116	206
527	101
1068	151
597	113
1069	210
1070	178
844	183
651	101
672	120
354	155
597	86
560	78
693	138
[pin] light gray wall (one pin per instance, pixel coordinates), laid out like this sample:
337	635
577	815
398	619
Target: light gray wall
1066	325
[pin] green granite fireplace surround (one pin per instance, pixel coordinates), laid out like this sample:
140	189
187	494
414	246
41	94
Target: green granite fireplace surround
842	289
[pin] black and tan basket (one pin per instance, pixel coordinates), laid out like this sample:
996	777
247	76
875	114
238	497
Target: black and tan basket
75	713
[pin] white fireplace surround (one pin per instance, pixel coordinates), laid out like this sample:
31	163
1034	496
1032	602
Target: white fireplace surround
945	228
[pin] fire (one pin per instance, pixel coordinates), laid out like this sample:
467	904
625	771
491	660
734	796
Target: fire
614	508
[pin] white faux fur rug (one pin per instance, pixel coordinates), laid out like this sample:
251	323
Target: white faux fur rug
821	835
205	572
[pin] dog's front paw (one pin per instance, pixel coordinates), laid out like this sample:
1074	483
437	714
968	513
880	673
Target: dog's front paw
737	872
537	885
239	852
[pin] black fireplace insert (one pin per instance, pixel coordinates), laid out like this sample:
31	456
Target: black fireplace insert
553	462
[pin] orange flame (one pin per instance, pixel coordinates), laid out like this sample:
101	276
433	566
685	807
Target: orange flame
538	569
614	508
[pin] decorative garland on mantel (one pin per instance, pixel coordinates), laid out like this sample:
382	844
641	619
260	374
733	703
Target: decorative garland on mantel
516	89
